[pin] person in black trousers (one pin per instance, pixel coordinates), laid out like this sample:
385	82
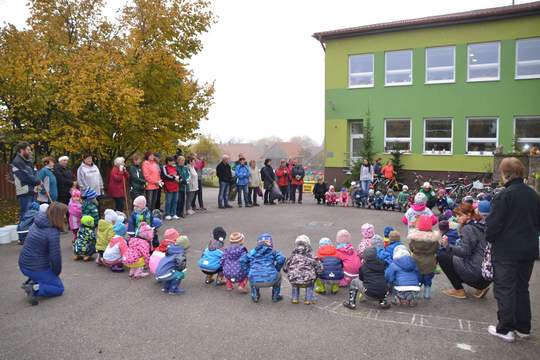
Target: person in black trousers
268	177
512	229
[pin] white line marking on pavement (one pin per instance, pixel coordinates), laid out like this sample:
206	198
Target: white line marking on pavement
465	347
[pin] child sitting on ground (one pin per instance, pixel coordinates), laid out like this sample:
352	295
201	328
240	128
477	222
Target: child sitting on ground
348	256
368	232
386	254
402	275
138	252
403	199
210	261
344	197
331	196
75	212
389	201
386	233
379	200
417	209
263	265
370	199
89	206
116	249
332	273
424	244
85	244
172	267
371	283
105	233
319	191
359	196
139	215
230	262
302	270
169	238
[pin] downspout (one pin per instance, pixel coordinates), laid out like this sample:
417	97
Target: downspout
322	43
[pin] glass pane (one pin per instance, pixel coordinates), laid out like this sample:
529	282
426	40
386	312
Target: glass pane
399	78
398	60
439	128
528	49
528	128
398	128
482	147
397	146
489	71
356	128
361	63
528	68
482	128
443	56
526	146
440	74
438	146
356	146
364	79
483	53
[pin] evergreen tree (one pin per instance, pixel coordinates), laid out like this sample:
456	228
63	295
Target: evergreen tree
398	166
367	149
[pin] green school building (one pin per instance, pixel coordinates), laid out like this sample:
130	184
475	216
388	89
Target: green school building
444	90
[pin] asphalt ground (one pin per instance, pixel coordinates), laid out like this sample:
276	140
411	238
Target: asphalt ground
105	315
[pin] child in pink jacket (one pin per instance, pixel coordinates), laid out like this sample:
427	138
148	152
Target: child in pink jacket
75	213
349	257
368	232
138	252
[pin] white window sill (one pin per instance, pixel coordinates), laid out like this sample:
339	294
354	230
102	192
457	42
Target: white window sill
437	154
482	80
440	82
408	152
401	84
526	77
478	154
361	86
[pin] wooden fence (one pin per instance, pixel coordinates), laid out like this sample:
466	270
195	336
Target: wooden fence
7	188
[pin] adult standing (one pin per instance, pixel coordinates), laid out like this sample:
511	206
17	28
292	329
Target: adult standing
199	166
183	173
268	177
366	175
388	170
118	178
40	258
193	184
49	189
89	176
377	167
137	183
25	176
64	179
157	156
242	181
152	175
513	228
463	263
297	181
254	182
224	174
283	177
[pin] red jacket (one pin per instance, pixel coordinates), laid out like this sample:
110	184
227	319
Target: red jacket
282	174
169	181
117	182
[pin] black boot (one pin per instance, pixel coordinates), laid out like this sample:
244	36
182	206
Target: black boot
276	289
351	303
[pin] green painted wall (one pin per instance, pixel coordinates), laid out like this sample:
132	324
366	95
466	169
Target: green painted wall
504	99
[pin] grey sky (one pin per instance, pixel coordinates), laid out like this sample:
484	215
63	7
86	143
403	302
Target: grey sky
268	70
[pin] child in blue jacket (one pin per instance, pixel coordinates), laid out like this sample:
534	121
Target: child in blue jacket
210	261
389	200
263	265
379	200
171	268
386	253
403	275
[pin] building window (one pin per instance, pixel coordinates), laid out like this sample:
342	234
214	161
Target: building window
528	58
361	71
398	68
527	131
482	136
356	133
483	62
440	65
397	135
438	136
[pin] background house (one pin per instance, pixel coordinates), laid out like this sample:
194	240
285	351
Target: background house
284	150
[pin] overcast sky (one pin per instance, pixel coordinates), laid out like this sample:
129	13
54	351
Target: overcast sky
267	68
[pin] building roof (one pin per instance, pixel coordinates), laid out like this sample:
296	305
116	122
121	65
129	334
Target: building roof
249	151
285	150
466	17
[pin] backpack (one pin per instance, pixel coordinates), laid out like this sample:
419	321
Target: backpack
487	266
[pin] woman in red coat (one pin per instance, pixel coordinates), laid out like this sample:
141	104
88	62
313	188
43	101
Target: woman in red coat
118	179
283	176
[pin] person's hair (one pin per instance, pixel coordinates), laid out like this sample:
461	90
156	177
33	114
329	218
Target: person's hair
46	160
119	161
86	155
169	159
21	146
190	159
57	215
135	157
225	156
180	157
252	162
468	210
266	161
242	158
147	155
511	168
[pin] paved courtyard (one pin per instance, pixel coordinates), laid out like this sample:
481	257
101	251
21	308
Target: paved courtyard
103	315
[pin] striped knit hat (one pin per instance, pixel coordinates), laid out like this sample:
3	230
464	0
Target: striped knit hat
236	238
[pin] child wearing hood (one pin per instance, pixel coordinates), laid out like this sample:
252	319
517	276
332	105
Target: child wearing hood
230	262
359	196
371	282
210	261
331	196
138	252
418	208
403	198
389	201
85	244
379	200
139	215
344	197
89	206
386	253
370	199
386	233
348	256
424	244
75	212
105	233
169	238
302	270
172	267
332	273
451	234
402	275
116	249
368	232
263	265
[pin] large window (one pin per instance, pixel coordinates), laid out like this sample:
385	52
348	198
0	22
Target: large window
482	135
438	136
483	62
528	58
398	68
356	131
527	131
440	65
397	135
361	71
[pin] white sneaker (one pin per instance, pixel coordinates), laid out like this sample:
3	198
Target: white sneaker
190	212
175	217
508	337
168	217
522	335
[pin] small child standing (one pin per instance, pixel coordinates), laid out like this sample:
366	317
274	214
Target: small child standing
172	267
403	198
332	268
89	206
418	208
368	232
386	254
389	201
210	261
302	270
75	212
85	244
230	262
344	197
138	252
331	196
116	249
319	191
139	215
402	275
348	256
105	233
424	244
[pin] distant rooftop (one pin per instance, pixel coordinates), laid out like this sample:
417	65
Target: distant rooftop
466	17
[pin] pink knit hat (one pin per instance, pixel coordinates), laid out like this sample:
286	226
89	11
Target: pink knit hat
171	234
140	202
368	231
343	237
423	223
75	193
145	232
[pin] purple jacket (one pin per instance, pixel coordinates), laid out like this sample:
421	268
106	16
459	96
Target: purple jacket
230	261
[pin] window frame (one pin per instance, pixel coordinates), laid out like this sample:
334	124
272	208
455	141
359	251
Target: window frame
397	139
372	72
498	62
453	80
480	140
524	140
449	140
353	158
523	77
386	68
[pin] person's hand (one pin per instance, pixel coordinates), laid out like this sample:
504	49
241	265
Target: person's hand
122	168
444	241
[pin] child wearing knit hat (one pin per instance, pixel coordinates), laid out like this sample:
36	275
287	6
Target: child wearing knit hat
302	270
348	256
89	206
230	262
263	265
370	199
368	232
85	244
117	247
386	253
75	212
386	232
402	201
169	238
172	267
210	261
402	274
105	233
417	209
138	253
332	268
140	214
331	196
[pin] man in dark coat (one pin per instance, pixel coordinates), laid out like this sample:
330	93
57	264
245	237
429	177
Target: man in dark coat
268	177
224	174
25	176
64	179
